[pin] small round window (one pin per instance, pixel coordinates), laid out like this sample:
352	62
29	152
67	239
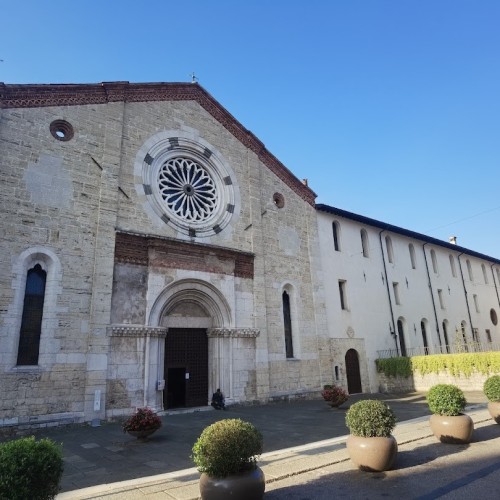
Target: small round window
61	130
493	316
279	200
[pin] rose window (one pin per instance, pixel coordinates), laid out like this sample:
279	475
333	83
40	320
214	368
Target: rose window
187	189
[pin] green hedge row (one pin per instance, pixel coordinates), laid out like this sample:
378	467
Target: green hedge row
463	364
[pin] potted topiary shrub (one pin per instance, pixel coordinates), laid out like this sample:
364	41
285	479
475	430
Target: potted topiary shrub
371	445
226	454
491	389
30	469
334	395
142	423
448	423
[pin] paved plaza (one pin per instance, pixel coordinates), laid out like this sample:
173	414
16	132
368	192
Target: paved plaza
304	454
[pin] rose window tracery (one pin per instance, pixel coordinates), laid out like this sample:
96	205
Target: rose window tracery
187	189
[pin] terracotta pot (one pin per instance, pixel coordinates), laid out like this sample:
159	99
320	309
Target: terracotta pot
494	409
455	429
247	486
373	454
142	434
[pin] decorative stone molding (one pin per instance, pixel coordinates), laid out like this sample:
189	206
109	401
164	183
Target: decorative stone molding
233	332
136	331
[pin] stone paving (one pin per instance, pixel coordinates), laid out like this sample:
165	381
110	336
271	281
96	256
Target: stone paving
101	455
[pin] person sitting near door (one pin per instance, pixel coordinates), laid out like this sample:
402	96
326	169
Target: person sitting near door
218	401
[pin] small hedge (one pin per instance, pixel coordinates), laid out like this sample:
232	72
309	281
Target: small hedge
30	469
446	399
227	447
491	388
370	418
463	364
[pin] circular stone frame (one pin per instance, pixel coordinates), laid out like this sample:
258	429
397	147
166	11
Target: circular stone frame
166	166
62	130
279	200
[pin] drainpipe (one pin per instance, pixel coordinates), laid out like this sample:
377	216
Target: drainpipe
432	297
466	297
388	291
495	283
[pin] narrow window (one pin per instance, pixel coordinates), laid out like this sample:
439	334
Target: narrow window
342	294
485	274
395	288
413	260
388	245
452	266
434	262
336	239
441	299
364	243
488	335
401	336
287	320
475	335
424	337
464	335
498	276
445	334
476	302
469	270
31	322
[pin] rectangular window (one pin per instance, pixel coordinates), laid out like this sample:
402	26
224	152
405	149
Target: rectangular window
476	302
488	335
441	299
475	335
342	293
395	288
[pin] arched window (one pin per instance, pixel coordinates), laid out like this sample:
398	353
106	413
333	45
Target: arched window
364	243
336	236
485	274
390	253
401	336
434	262
452	266
445	335
287	321
424	337
413	260
469	270
31	322
463	326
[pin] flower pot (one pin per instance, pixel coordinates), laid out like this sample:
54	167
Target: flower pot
142	434
494	409
373	454
246	486
452	429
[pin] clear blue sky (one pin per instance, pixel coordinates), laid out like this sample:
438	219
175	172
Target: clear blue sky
391	108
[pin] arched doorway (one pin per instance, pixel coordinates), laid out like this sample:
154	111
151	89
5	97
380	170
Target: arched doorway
188	308
353	372
401	335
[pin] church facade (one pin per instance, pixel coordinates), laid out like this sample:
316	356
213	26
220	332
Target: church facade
154	250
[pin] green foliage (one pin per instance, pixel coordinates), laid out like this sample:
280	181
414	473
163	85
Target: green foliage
370	418
30	469
394	367
491	388
446	399
463	364
334	395
227	447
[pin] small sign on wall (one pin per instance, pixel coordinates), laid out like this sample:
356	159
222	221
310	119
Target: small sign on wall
187	375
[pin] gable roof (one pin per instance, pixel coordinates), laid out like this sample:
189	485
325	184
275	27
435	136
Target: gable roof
399	230
40	95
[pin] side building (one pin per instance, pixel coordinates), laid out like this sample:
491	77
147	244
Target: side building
391	291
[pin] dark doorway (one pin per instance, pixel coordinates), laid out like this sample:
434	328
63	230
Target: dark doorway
401	336
186	368
353	373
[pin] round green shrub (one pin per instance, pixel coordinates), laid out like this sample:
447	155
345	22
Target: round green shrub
446	399
30	469
227	447
370	418
491	388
